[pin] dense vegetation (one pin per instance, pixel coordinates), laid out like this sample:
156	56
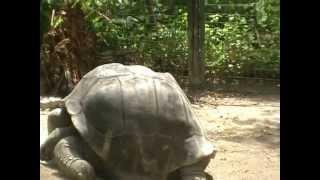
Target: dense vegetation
79	35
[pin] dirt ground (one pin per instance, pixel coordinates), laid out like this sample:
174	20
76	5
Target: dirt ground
245	129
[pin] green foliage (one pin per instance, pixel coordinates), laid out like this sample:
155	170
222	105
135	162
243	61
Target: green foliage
246	44
47	18
126	25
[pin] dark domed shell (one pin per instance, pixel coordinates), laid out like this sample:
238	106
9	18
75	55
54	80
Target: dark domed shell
115	101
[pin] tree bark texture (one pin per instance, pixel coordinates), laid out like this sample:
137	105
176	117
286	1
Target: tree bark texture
196	41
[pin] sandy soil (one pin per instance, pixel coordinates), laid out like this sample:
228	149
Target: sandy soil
245	129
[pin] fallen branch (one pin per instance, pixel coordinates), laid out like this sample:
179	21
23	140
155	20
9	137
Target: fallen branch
51	103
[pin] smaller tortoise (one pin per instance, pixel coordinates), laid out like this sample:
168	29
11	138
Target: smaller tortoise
127	123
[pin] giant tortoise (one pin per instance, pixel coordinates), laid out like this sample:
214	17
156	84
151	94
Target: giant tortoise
127	122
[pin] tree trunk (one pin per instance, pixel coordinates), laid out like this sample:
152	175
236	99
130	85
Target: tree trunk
196	41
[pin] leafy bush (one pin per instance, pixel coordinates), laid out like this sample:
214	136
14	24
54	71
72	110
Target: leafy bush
246	44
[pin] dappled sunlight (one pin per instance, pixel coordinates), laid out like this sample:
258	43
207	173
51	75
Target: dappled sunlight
225	56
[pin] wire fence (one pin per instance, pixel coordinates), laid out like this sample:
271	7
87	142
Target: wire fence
162	44
152	38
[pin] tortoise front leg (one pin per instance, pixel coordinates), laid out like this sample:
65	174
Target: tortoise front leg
46	149
195	171
69	156
59	126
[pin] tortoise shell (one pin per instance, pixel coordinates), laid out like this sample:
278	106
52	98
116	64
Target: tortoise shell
136	120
